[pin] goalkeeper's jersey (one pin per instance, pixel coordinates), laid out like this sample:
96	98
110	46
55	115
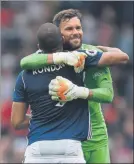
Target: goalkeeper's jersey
99	131
50	119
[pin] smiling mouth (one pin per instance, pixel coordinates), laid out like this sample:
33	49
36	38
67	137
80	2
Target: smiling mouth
75	38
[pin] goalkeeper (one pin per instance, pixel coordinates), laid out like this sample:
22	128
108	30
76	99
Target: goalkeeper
99	78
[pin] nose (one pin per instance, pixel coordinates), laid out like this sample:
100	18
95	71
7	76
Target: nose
75	31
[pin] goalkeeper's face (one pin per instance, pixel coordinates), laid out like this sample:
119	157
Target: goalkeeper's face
72	33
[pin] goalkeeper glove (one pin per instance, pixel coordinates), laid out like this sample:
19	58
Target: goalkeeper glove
74	58
62	89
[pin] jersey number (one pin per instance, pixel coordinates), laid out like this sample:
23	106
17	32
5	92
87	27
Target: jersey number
60	104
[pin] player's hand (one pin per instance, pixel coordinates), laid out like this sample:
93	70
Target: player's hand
62	89
59	87
74	58
79	66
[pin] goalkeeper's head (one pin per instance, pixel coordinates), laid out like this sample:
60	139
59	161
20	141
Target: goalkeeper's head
69	22
49	38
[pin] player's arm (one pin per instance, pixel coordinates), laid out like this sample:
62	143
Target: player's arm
109	56
19	119
103	93
112	56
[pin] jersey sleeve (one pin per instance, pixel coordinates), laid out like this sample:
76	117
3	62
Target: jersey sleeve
19	94
34	61
93	57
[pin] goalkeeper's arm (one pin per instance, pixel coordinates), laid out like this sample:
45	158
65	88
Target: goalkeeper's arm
36	61
104	94
62	89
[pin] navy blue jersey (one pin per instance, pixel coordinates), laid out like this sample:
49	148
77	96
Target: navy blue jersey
50	121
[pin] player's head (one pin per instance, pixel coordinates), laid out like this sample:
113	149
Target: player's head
69	22
49	38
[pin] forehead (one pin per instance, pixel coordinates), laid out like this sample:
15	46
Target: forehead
73	22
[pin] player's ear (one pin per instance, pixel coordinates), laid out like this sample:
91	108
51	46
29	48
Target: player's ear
63	39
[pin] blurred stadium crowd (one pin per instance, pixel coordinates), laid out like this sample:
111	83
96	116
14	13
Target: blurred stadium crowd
104	23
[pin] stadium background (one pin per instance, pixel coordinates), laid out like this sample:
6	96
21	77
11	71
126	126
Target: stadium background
104	23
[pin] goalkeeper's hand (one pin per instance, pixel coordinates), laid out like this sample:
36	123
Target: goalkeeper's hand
62	89
74	58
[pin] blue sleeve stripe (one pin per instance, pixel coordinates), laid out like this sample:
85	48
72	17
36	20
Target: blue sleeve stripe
19	94
23	80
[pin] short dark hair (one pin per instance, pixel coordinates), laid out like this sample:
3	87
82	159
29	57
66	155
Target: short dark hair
66	14
49	38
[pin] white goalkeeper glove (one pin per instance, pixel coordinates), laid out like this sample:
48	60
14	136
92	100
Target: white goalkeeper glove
63	90
74	58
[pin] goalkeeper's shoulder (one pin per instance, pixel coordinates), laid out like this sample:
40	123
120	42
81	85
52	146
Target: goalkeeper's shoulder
90	47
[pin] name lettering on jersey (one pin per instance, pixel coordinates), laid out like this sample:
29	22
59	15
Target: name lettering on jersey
98	74
50	68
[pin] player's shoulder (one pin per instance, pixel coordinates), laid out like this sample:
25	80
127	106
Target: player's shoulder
19	77
87	46
20	73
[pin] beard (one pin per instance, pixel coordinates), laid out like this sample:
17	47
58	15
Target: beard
71	46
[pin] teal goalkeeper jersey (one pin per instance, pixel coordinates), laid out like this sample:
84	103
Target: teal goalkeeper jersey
97	78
